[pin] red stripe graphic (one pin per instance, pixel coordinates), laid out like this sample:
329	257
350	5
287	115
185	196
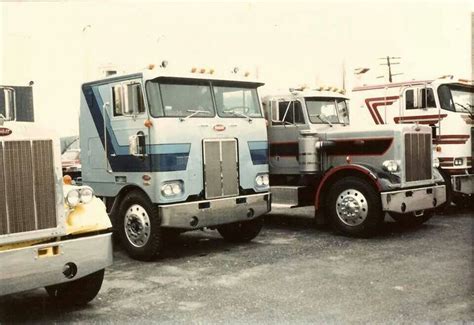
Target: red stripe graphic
373	103
422	119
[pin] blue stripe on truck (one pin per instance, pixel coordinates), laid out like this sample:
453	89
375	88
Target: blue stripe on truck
259	152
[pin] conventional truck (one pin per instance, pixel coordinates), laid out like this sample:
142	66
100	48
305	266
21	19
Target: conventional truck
352	175
53	234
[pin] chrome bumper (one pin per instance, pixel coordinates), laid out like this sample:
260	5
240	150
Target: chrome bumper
463	183
405	201
194	215
42	265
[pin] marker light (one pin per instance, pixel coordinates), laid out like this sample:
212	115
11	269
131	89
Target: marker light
438	148
202	70
151	66
67	180
194	69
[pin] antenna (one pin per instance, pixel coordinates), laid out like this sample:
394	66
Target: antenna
389	64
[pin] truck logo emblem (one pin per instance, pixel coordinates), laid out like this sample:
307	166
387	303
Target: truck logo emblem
219	127
5	132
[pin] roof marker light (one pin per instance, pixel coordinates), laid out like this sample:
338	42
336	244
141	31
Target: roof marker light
193	69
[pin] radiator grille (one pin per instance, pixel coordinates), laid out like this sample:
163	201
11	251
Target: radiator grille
417	156
27	186
221	175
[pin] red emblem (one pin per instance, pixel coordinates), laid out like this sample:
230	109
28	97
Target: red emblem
5	132
219	127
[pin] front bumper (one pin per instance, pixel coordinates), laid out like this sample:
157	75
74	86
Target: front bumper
463	183
199	214
410	200
42	265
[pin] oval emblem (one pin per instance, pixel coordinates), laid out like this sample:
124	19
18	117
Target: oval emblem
219	127
5	132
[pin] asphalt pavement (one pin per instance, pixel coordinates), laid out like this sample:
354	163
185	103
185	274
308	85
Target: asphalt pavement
292	272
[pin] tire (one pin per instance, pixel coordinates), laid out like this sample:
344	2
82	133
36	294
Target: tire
410	220
354	207
78	292
139	227
241	232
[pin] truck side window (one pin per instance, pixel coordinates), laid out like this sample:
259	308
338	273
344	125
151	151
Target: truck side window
427	98
293	116
409	99
117	93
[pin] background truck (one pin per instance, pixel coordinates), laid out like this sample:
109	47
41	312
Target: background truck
171	152
52	235
352	175
444	104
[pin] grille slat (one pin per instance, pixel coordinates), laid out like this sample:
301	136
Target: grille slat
417	156
221	176
27	186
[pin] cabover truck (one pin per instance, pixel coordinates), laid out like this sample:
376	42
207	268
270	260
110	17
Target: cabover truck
52	234
446	105
352	175
175	151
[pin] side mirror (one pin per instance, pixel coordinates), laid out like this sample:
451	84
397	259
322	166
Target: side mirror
132	99
136	144
9	113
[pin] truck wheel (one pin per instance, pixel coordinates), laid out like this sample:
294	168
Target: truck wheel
240	232
410	220
139	227
354	207
77	292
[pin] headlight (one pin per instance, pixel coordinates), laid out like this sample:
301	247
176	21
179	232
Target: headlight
73	198
79	195
458	161
86	194
171	189
390	166
435	162
262	180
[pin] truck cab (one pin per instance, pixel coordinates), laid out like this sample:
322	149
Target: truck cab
352	175
53	234
176	151
444	104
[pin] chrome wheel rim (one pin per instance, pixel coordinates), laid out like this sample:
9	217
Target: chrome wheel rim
351	207
137	225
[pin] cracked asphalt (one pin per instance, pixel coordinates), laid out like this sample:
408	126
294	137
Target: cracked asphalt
291	273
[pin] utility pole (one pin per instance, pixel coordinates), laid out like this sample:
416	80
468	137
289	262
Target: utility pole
389	64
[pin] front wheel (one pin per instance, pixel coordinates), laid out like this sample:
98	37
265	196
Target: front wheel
354	207
411	220
78	292
139	227
241	231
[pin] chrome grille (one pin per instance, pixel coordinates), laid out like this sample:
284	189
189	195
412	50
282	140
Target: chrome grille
417	156
27	186
221	175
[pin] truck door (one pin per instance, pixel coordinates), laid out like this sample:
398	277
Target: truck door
286	121
419	105
128	136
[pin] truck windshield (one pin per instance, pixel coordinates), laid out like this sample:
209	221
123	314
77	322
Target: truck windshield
457	98
322	110
180	98
233	101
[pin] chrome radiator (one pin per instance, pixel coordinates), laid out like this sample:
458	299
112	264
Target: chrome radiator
221	175
27	186
418	165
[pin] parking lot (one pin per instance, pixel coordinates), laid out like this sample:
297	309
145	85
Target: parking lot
292	273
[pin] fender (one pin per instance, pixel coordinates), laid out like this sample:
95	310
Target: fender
359	169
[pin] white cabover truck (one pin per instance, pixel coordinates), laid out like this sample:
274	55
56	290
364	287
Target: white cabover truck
171	152
444	104
352	175
52	234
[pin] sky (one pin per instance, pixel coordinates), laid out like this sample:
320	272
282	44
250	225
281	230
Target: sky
59	45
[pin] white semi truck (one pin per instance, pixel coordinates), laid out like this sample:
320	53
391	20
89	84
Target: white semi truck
445	104
175	151
52	234
352	175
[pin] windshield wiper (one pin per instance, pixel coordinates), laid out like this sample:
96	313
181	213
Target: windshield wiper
193	113
240	114
324	120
